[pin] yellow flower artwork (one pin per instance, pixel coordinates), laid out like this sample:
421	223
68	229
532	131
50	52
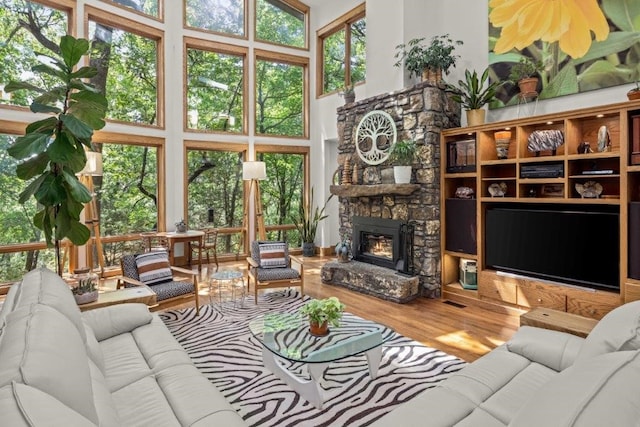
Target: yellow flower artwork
578	45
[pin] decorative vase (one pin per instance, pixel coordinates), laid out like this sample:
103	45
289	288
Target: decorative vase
475	117
528	87
342	252
319	330
503	139
402	174
349	97
308	249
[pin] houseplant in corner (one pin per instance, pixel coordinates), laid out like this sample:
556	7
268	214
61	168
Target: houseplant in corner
52	150
428	61
402	155
307	222
323	313
523	73
472	94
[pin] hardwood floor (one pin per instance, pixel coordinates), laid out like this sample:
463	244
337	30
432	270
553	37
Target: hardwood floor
466	332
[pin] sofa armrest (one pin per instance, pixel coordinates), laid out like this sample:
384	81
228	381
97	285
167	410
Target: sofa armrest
553	349
107	322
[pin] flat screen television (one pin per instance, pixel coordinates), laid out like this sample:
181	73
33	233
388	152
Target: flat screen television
578	245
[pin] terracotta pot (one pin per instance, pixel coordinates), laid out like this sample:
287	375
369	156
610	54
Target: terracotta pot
633	94
318	330
475	117
528	87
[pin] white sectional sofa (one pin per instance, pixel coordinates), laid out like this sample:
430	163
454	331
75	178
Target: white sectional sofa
114	366
542	378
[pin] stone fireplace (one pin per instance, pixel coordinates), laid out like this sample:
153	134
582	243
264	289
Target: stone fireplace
371	197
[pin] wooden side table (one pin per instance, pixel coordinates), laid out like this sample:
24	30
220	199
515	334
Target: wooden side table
141	294
558	321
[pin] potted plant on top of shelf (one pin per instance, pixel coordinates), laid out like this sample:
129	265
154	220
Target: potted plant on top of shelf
523	73
349	94
402	155
428	61
323	313
472	94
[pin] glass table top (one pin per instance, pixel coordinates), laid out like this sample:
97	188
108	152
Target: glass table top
287	335
226	275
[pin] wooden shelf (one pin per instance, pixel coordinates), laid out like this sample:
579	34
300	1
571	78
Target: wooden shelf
541	180
461	254
510	178
373	190
460	175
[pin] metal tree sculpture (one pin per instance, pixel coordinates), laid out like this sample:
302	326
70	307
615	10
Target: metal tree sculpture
375	136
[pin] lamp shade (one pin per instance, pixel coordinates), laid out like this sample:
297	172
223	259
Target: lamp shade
93	166
254	170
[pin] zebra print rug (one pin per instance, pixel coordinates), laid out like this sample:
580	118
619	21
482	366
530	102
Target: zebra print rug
223	349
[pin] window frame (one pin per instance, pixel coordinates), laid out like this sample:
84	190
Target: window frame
341	23
300	61
193	145
295	4
138	28
159	18
245	24
226	49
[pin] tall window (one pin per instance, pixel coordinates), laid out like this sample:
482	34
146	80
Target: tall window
22	24
283	191
215	191
219	16
281	98
342	51
148	7
282	22
215	87
127	63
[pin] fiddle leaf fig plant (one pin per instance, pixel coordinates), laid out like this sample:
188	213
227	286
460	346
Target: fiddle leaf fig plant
52	149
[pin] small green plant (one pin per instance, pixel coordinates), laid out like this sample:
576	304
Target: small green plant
417	56
308	219
324	310
524	69
403	152
84	286
471	92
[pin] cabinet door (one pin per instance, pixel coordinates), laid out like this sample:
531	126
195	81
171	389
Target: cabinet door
538	295
498	288
589	304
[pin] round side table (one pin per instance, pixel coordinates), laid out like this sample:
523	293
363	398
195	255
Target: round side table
233	278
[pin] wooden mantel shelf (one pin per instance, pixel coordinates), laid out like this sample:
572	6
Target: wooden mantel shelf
373	190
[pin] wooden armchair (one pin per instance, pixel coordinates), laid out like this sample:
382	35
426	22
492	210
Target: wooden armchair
152	270
271	266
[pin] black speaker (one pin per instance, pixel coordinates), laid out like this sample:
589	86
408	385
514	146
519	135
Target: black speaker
460	223
634	240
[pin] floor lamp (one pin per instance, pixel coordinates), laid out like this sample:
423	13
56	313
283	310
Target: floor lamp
255	172
92	168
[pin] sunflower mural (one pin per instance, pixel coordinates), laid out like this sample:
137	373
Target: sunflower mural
581	45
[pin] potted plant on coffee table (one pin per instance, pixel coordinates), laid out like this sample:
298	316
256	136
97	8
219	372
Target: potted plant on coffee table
472	94
323	313
402	156
428	61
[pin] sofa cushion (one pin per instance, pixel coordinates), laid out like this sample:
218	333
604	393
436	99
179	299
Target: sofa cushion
618	330
22	405
154	267
43	286
102	399
556	350
117	319
40	347
599	391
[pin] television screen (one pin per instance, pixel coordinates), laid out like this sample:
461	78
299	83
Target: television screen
557	243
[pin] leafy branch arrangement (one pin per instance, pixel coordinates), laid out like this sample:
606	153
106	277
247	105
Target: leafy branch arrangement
52	150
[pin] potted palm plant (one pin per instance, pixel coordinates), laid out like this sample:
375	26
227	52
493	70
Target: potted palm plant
472	94
402	155
52	150
428	61
323	313
523	73
307	222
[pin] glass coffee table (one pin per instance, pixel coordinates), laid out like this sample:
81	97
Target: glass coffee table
286	336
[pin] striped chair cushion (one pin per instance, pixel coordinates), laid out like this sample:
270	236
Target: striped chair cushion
153	267
273	254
